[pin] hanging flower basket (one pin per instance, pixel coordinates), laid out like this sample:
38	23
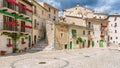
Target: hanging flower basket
3	53
9	45
23	42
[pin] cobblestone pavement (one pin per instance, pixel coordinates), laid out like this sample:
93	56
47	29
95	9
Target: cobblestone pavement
83	58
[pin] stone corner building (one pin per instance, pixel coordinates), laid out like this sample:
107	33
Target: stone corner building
81	22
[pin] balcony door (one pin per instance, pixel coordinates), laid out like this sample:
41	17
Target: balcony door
22	26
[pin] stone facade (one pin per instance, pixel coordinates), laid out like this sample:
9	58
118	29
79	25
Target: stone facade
113	29
16	19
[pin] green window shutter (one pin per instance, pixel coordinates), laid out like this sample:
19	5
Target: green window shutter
74	33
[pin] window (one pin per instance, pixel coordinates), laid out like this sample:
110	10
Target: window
49	10
54	11
22	24
42	12
7	26
111	38
115	31
54	18
115	19
115	25
61	35
22	40
111	24
83	32
49	16
116	37
74	33
9	41
35	10
88	32
35	23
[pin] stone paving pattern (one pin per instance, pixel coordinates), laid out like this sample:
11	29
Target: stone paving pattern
84	58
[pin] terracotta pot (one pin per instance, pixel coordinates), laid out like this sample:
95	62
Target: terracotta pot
3	52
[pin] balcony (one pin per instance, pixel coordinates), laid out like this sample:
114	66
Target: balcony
89	26
10	6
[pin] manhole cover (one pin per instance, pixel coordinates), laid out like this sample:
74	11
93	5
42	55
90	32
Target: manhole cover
42	62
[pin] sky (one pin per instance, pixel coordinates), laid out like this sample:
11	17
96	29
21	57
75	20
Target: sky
101	6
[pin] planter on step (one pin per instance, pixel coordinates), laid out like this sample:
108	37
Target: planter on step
3	53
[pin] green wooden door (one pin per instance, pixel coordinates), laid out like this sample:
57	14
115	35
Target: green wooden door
93	44
101	43
70	44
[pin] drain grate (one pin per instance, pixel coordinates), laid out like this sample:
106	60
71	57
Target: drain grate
42	62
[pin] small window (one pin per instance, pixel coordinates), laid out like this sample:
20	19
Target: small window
49	16
111	38
61	35
116	37
9	41
83	32
115	31
74	33
35	23
115	25
88	32
22	40
115	19
54	11
49	10
111	24
42	12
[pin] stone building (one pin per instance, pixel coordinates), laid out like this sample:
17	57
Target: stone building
39	21
113	29
15	26
52	18
84	23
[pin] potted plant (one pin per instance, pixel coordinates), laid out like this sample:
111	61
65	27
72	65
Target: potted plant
3	52
79	41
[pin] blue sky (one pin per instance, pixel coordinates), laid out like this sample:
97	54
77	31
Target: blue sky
102	6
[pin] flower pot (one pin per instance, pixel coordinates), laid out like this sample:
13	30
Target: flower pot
3	53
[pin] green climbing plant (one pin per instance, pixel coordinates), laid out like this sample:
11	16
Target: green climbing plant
15	38
79	41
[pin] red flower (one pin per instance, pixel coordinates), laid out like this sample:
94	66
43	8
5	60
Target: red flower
9	45
23	42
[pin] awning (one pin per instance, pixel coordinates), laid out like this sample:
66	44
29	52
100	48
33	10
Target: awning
13	24
26	8
27	26
14	2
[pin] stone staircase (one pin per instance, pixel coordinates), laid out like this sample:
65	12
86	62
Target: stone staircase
40	46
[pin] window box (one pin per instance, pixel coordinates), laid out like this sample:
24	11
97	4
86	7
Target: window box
23	42
9	45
